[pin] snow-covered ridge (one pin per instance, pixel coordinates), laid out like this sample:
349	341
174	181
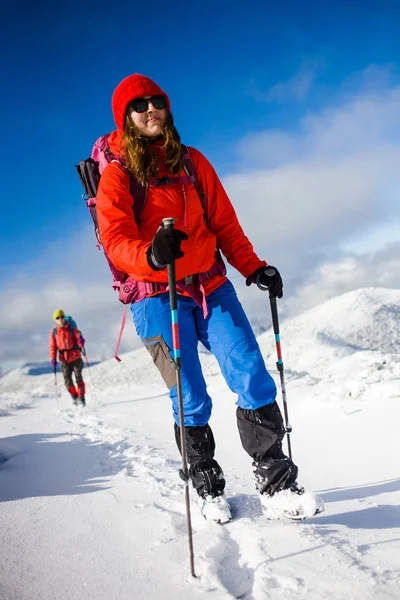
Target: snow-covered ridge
363	319
366	319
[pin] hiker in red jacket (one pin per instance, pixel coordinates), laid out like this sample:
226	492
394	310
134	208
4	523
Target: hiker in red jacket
67	340
146	146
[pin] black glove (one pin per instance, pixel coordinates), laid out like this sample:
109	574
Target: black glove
268	277
165	248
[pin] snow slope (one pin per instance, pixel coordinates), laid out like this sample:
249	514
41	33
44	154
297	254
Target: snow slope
91	505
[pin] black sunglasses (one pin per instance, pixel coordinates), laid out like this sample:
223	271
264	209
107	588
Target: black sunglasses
140	105
59	318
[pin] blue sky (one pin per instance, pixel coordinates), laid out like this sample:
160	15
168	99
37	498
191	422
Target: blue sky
233	71
64	60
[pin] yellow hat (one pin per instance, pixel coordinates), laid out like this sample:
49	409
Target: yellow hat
58	313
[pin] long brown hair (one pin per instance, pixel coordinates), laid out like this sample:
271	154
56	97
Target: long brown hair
142	160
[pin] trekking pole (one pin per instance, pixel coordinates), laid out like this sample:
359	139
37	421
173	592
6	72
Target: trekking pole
55	383
83	350
176	363
279	364
85	355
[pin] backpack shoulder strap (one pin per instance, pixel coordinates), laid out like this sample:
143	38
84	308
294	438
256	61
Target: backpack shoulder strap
139	195
191	170
72	324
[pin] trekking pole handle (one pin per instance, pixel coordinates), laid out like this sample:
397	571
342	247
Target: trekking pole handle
169	222
270	273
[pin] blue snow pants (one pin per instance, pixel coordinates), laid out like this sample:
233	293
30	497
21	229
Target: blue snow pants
226	332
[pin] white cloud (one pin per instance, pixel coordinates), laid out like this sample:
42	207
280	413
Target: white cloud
296	88
380	269
354	126
73	277
315	202
306	198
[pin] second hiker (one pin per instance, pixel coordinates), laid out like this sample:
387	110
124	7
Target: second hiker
67	340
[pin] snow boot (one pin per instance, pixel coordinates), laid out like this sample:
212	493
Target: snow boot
74	394
215	508
82	390
293	503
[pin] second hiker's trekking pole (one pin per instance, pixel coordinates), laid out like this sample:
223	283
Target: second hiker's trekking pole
83	351
176	363
55	383
279	364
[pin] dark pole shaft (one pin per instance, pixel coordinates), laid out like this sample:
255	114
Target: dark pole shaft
83	350
176	361
55	383
279	366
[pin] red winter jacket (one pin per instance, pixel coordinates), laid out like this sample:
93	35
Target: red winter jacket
66	342
126	243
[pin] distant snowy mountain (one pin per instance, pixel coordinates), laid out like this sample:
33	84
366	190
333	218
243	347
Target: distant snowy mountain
259	324
364	319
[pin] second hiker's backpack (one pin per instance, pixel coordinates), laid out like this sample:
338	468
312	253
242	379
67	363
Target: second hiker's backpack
69	321
89	172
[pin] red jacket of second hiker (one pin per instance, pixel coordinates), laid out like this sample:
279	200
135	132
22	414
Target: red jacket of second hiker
65	342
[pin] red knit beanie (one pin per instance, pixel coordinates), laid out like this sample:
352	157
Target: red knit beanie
134	86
